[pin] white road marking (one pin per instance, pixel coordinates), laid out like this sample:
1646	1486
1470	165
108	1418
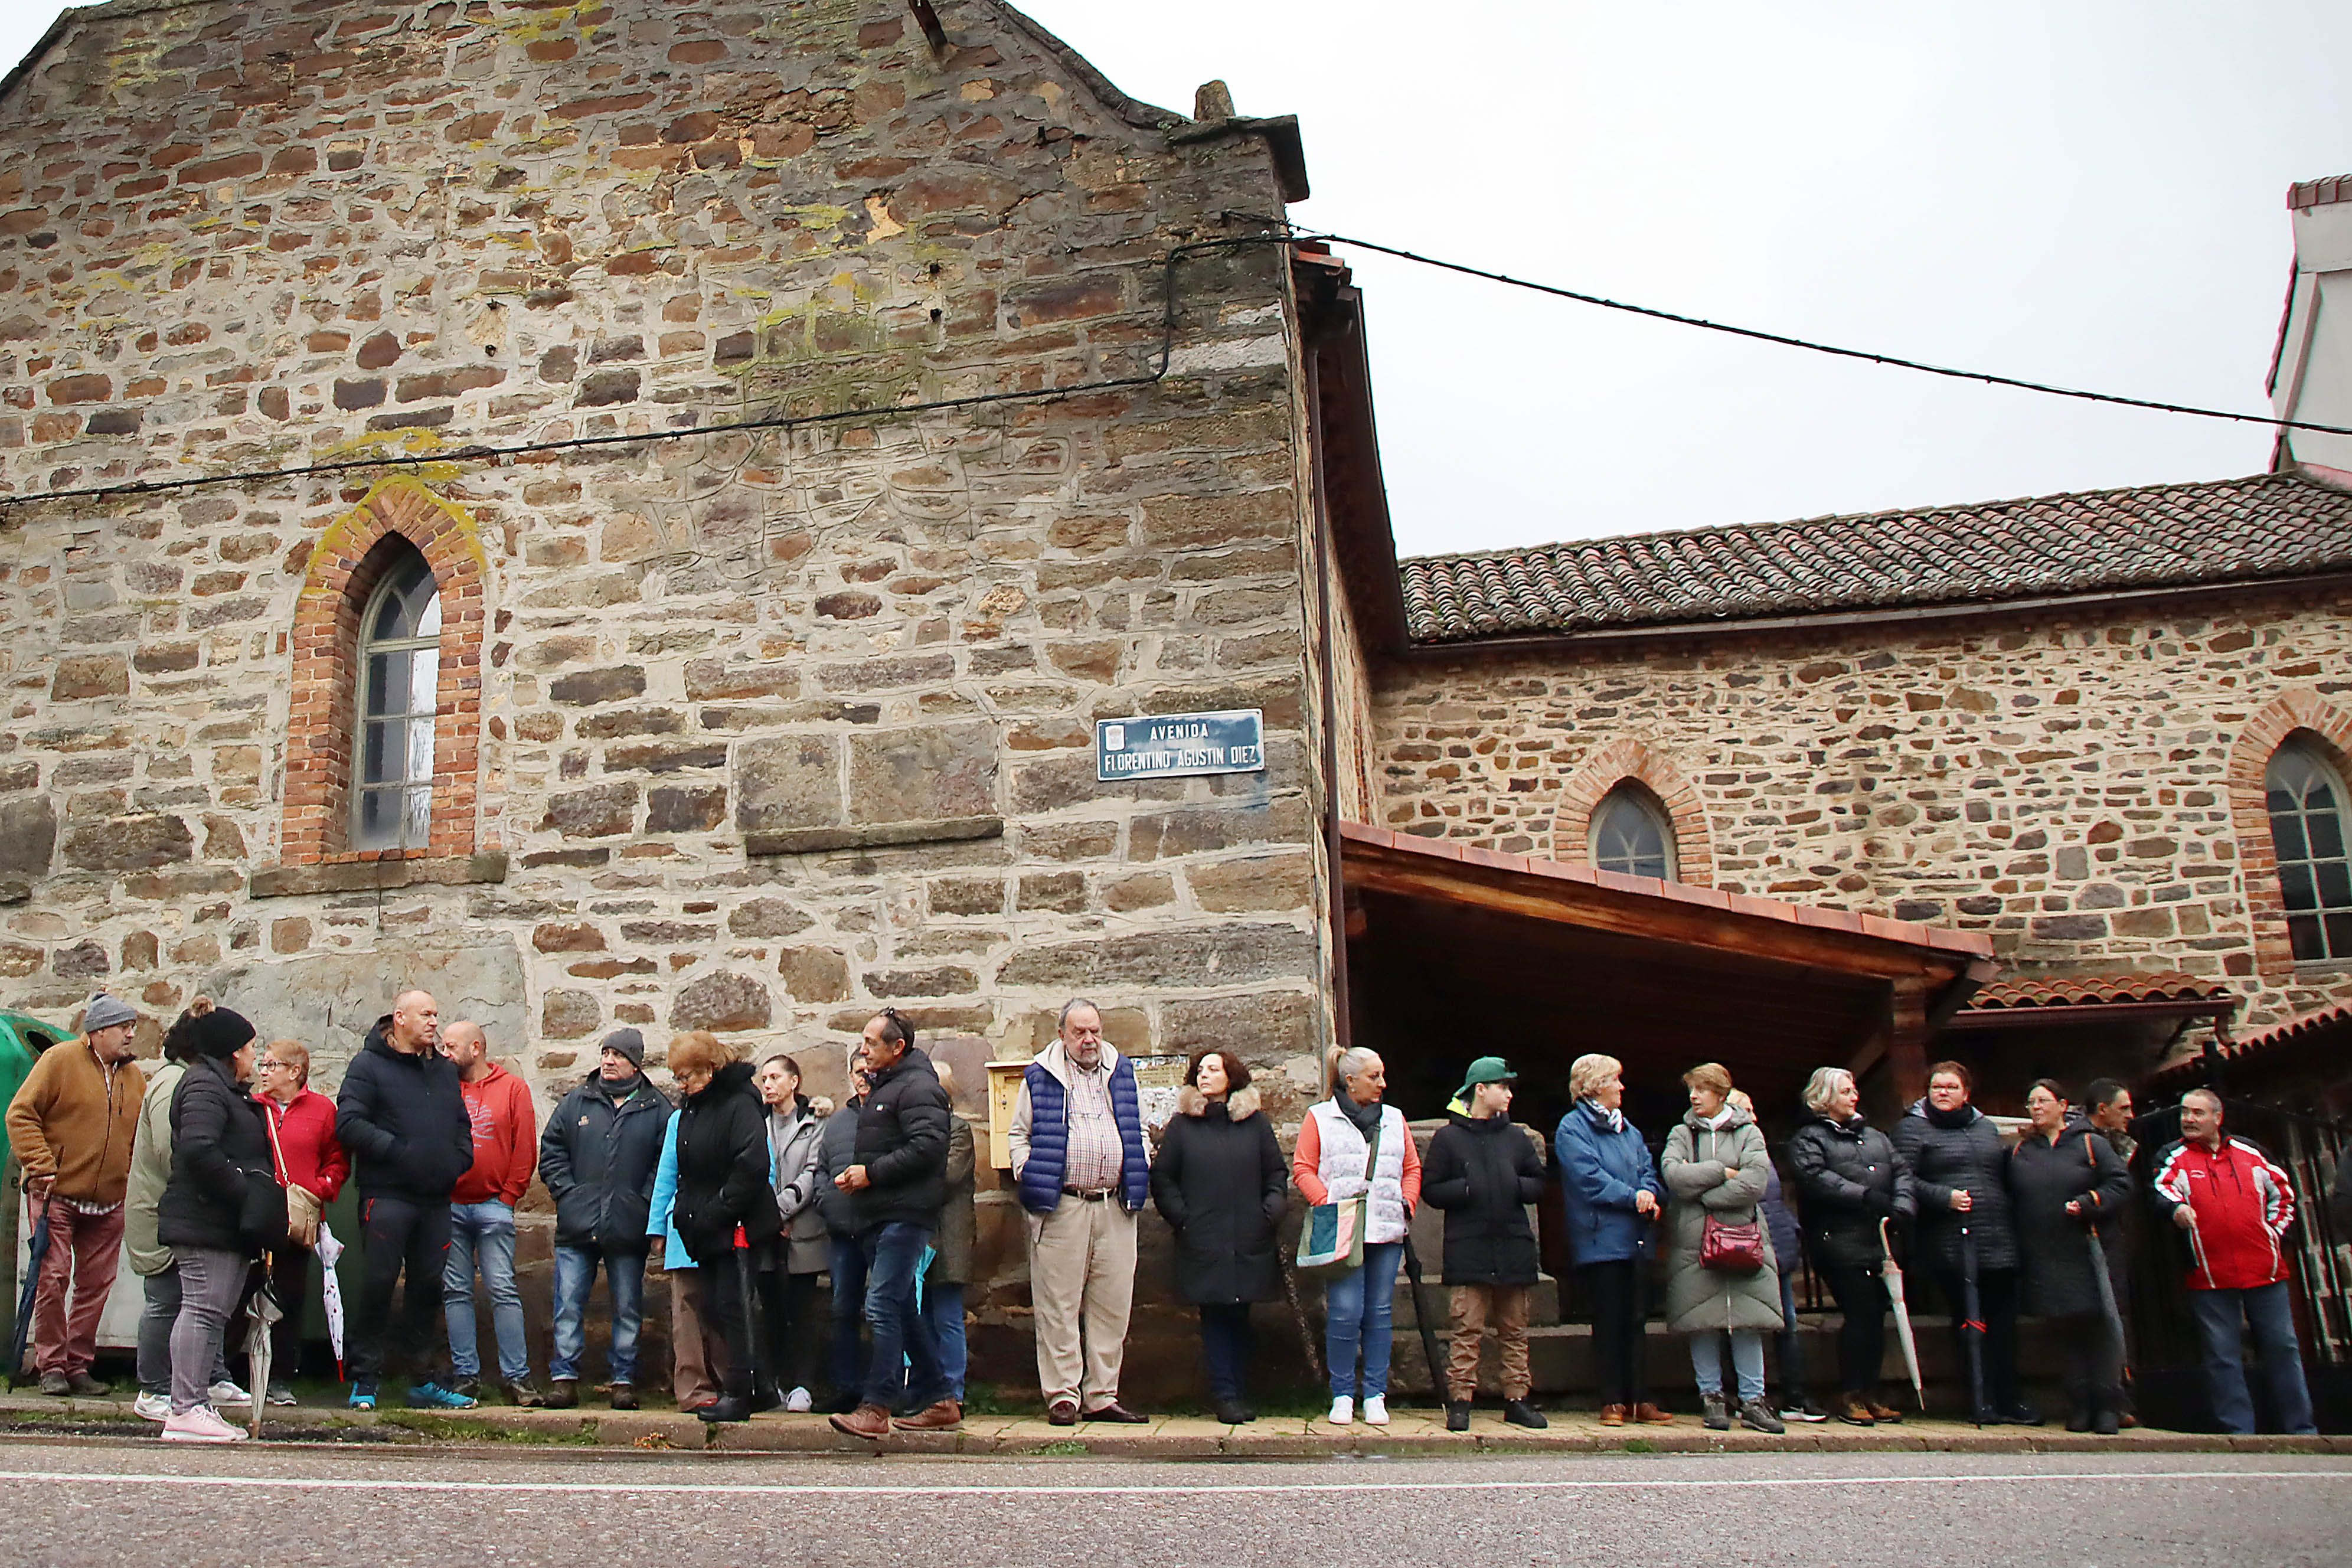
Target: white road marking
1299	1488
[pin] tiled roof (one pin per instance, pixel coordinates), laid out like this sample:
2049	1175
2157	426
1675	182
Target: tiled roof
2095	989
2321	1024
2154	536
2320	193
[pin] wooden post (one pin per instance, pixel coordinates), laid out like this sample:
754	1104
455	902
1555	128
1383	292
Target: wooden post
1906	1036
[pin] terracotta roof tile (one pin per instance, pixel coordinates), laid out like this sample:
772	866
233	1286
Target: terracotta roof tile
2015	989
2311	1025
2150	537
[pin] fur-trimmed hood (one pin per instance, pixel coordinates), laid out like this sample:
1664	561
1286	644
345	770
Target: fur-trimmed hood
1240	1105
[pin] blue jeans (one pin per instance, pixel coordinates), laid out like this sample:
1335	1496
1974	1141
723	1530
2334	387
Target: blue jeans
1746	1357
943	1316
575	1275
484	1231
848	1312
892	1253
2272	1320
1358	1307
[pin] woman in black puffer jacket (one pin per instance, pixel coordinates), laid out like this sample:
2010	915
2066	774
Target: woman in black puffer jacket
1852	1180
1959	1166
222	1207
723	1184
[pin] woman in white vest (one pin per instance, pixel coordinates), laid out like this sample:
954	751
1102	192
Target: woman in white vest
1343	1140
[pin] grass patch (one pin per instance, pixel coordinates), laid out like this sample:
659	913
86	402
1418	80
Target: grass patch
1639	1445
458	1428
1066	1449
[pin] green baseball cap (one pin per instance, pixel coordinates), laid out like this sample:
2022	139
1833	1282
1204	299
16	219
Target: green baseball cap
1486	1069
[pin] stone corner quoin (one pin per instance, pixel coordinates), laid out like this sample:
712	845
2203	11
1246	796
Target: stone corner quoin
753	731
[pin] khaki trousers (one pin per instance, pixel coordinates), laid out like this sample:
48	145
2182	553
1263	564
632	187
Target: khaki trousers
1477	1308
691	1376
1081	1285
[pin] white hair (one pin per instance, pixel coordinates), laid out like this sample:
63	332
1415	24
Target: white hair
1824	1083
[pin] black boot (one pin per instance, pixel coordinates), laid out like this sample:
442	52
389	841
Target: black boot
1229	1411
1520	1412
2106	1410
729	1408
1457	1416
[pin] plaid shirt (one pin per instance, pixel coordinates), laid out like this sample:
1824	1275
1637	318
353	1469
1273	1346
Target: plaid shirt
1095	1154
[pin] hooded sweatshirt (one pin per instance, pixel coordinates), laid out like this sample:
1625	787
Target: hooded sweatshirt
506	1139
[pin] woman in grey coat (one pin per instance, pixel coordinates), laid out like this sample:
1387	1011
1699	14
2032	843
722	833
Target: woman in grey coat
1716	1167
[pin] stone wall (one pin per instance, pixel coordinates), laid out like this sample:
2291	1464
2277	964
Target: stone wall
2085	787
238	238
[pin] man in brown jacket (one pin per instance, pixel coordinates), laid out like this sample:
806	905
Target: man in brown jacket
71	1125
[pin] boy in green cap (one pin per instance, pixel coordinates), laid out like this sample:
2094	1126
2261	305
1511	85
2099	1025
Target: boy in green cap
1483	1171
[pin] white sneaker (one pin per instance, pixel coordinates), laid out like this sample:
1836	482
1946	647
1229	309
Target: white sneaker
228	1393
152	1407
202	1424
798	1402
1376	1410
1343	1411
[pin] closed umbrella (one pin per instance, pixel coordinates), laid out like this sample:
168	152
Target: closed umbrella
1893	1274
1972	1324
2107	1308
38	1251
262	1313
1420	1317
331	1292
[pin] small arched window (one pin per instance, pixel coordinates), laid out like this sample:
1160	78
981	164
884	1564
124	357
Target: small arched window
1632	833
399	693
2306	803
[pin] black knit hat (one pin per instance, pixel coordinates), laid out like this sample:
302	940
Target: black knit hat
222	1033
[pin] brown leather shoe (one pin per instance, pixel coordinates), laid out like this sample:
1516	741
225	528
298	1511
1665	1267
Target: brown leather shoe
932	1418
1116	1412
1063	1413
1885	1415
1613	1415
867	1421
1853	1411
1649	1415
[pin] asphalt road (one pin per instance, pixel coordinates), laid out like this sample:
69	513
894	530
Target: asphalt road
138	1503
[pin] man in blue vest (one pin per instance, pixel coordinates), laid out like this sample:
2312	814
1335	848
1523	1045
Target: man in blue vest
1083	1171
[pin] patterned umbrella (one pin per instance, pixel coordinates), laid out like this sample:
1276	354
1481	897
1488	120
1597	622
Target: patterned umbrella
330	1295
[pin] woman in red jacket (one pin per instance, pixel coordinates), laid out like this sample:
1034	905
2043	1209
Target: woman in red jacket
313	1164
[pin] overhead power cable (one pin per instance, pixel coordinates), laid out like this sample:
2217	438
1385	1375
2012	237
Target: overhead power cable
1786	341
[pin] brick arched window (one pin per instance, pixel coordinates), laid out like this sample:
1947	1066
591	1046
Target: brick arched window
1606	798
374	767
2289	802
1632	833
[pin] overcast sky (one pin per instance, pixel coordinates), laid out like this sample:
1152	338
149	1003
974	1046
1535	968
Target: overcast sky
2088	191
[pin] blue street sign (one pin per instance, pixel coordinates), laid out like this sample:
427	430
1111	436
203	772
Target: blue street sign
1176	745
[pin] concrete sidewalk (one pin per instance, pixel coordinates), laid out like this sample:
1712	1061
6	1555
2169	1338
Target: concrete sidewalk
1420	1432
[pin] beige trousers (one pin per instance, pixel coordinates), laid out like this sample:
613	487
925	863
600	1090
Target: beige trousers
1477	1308
693	1374
1082	1285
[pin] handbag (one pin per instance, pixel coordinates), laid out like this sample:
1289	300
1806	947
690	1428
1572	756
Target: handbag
1731	1248
261	1220
1331	1242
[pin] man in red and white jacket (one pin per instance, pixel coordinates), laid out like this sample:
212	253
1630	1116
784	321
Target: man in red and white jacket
2235	1205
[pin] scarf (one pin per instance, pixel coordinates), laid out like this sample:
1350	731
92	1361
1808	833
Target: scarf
617	1092
1948	1120
1613	1120
1366	1118
1716	1122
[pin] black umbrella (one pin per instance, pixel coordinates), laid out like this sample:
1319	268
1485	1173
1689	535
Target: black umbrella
34	1254
1420	1317
752	1335
1972	1325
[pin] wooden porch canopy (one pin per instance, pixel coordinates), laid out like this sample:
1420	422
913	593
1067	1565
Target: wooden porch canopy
1447	939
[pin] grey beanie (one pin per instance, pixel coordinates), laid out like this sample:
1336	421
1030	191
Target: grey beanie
105	1012
629	1043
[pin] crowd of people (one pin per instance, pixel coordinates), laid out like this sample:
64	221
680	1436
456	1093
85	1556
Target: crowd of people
212	1172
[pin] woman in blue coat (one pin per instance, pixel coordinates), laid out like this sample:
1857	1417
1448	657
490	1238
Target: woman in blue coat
1613	1195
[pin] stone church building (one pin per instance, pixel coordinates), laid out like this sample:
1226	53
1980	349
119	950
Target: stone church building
633	513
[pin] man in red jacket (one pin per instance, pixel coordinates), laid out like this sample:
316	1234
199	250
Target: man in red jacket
2236	1206
482	1213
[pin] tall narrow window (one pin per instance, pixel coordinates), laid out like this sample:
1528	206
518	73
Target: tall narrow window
400	685
1631	833
2307	803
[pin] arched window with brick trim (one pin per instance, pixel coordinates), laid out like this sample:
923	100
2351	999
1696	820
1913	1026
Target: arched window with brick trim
1632	833
2306	802
399	670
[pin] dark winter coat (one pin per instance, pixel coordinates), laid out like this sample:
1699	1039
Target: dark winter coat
402	1121
1946	1159
902	1141
1483	1172
1221	1184
223	1182
952	1243
836	1151
722	1168
598	1160
1779	1219
2055	1246
1849	1177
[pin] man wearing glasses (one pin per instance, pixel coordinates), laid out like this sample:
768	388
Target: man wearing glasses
304	1122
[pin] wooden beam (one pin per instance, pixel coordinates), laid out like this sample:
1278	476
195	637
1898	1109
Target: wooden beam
1649	918
1907	1037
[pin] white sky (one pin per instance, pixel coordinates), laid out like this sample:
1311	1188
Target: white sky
2089	192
